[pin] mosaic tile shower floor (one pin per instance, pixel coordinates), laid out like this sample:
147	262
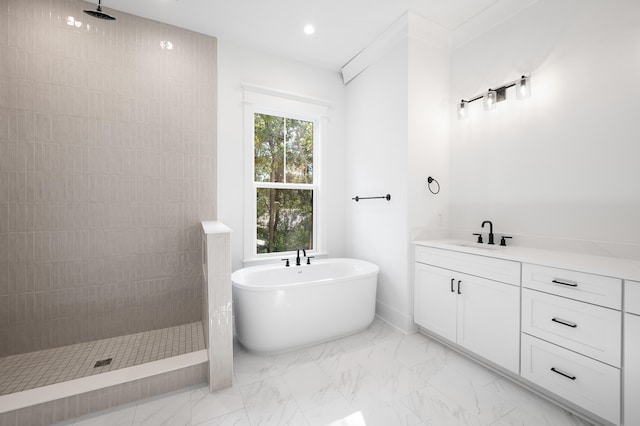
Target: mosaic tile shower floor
35	369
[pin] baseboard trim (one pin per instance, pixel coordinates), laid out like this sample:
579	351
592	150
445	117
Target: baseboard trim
400	320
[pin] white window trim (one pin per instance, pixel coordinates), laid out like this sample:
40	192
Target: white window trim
273	102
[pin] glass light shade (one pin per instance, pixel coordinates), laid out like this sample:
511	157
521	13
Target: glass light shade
463	110
523	87
490	99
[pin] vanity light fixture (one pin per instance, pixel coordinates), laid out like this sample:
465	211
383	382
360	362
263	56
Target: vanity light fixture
494	95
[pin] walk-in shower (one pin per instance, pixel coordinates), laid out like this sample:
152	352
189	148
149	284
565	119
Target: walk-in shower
105	173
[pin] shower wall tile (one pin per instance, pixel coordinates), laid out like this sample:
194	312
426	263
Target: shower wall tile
107	166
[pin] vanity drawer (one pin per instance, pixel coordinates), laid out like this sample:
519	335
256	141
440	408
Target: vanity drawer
596	289
505	271
632	297
591	330
576	378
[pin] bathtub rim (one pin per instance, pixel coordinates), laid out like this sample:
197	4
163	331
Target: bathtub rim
325	281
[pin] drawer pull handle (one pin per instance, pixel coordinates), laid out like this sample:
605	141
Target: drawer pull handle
563	374
565	283
452	280
567	323
459	292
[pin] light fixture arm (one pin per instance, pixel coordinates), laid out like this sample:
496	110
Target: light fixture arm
473	99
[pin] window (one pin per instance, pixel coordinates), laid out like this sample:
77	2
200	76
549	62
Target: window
283	178
283	200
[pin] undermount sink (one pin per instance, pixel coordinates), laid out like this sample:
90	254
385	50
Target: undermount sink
477	245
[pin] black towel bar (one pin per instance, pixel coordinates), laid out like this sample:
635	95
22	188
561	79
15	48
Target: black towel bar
386	197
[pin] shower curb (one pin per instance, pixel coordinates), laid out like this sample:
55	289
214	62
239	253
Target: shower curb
59	402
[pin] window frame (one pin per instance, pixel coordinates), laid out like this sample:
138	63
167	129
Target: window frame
259	100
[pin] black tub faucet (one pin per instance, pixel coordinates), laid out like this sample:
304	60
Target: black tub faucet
490	231
304	253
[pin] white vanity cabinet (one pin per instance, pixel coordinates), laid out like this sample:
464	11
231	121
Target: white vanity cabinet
567	324
632	353
479	313
571	341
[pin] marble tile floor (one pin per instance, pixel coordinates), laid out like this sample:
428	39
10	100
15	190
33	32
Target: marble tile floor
377	377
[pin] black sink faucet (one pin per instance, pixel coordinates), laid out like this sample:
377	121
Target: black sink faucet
490	231
304	253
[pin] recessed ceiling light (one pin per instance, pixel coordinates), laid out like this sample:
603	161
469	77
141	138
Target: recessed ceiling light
308	29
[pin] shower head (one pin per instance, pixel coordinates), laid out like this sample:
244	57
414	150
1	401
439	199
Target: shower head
99	14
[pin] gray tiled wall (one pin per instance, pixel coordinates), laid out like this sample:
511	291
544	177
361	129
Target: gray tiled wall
107	166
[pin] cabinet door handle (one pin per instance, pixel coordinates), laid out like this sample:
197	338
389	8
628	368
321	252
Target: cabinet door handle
570	284
567	323
459	281
452	280
562	374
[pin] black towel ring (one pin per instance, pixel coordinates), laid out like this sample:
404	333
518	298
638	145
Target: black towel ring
431	180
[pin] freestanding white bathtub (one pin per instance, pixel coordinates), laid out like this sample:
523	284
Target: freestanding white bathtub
280	308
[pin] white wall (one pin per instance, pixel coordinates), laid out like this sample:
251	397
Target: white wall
397	135
428	139
564	163
377	152
237	66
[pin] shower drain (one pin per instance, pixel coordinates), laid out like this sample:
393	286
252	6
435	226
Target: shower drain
103	362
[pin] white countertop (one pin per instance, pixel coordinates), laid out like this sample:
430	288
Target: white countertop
628	269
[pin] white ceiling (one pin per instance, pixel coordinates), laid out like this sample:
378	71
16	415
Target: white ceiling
343	27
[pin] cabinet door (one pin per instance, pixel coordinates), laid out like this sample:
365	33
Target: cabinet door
631	369
435	303
489	320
